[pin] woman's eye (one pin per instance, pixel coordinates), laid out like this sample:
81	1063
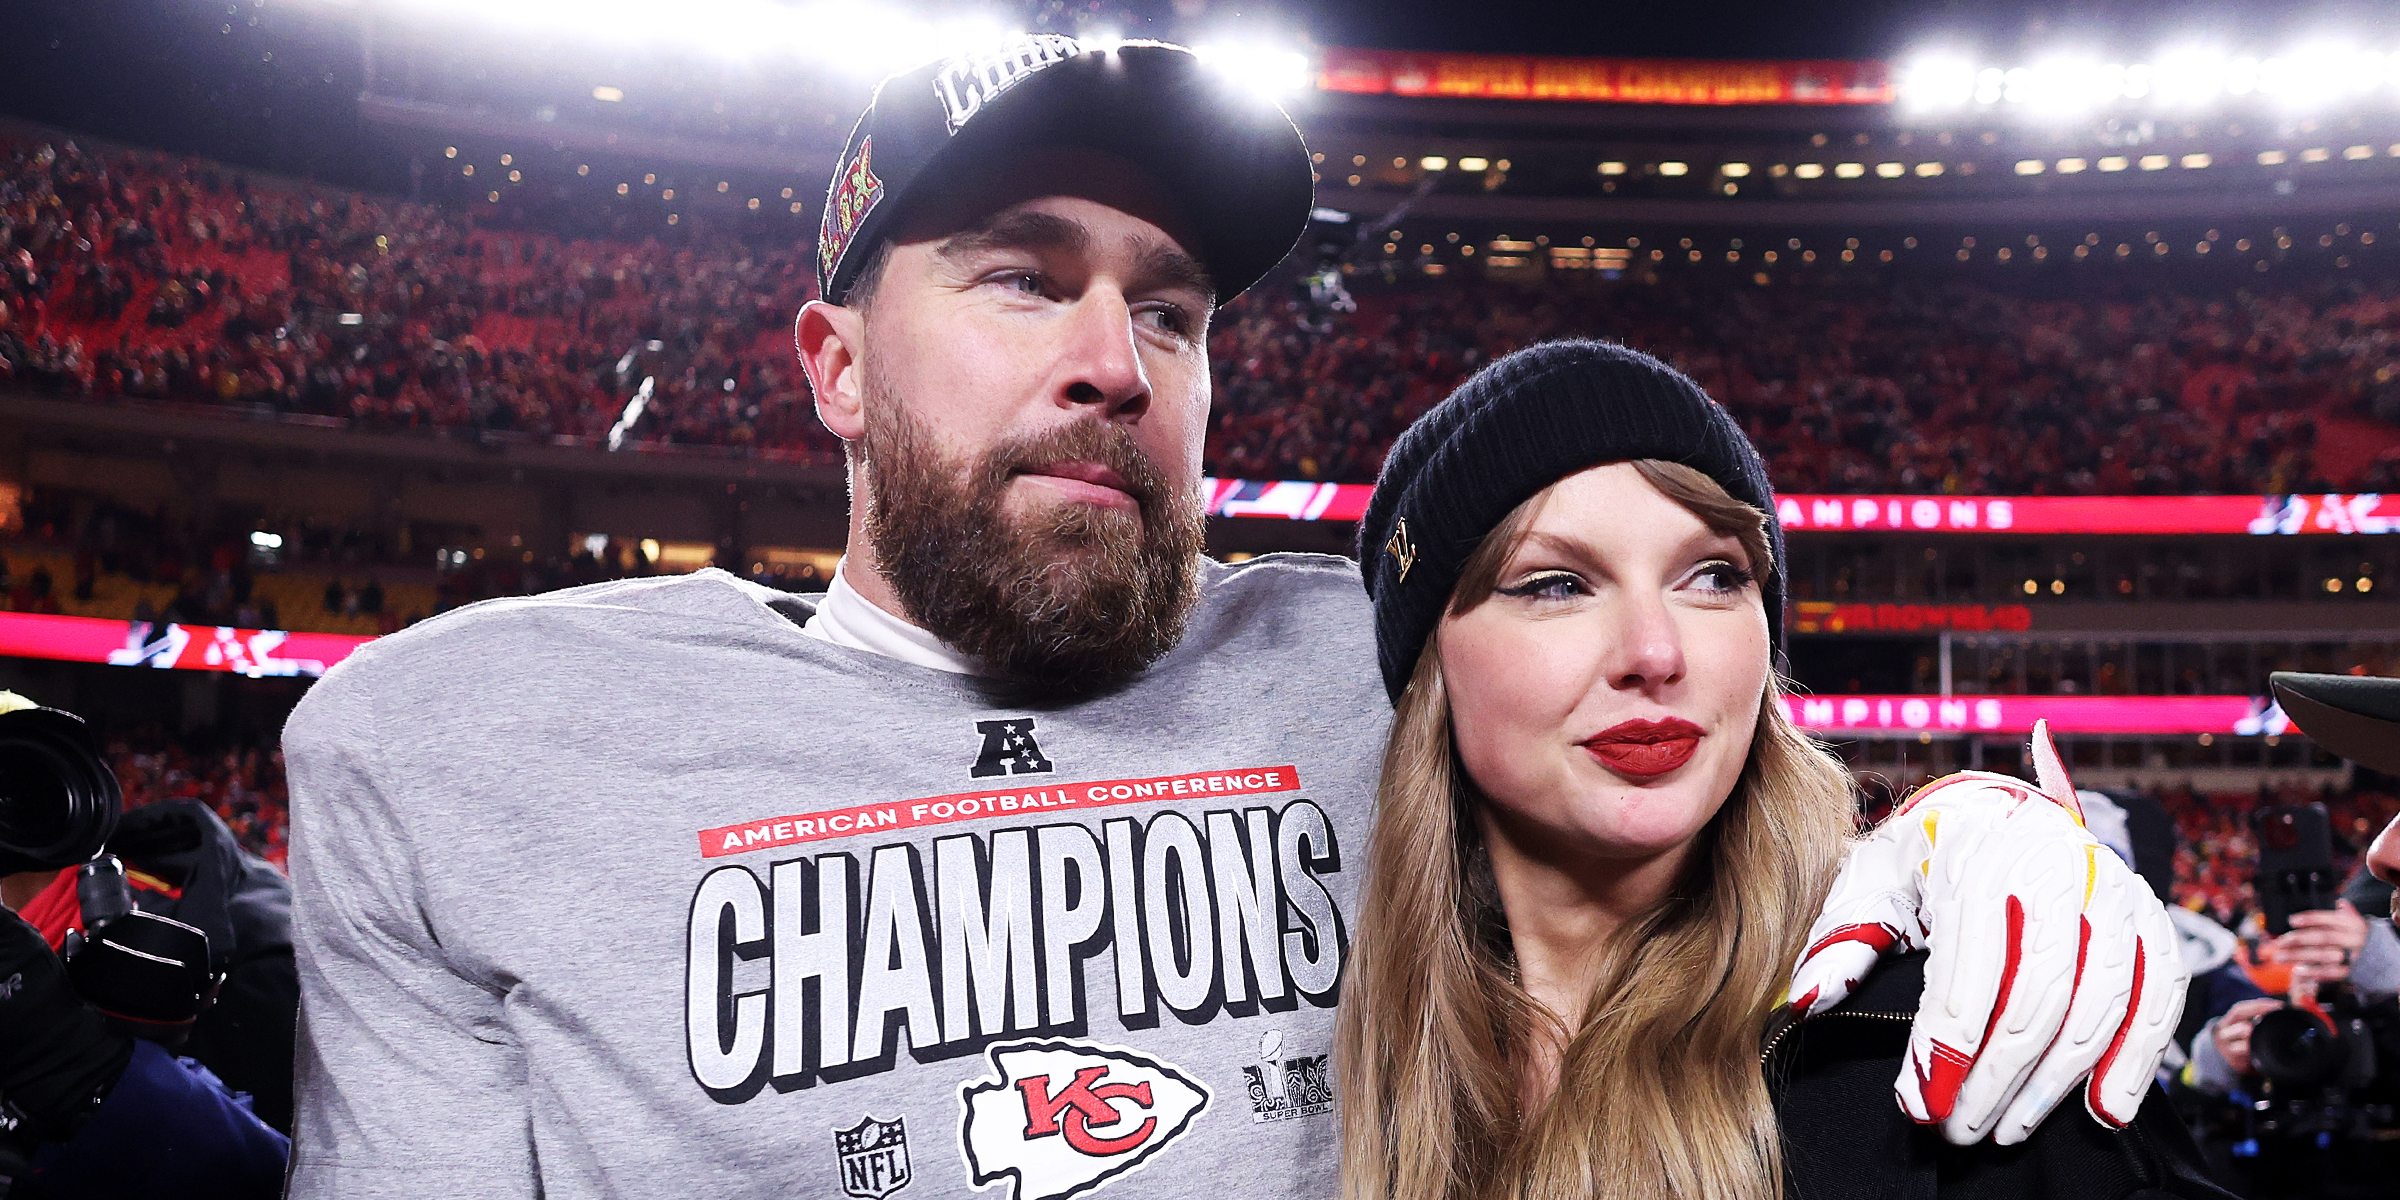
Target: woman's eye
1549	585
1722	576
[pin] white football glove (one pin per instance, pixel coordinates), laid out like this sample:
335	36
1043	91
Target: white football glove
2050	961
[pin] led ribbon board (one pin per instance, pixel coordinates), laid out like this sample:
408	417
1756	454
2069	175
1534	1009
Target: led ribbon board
1873	716
2338	513
253	652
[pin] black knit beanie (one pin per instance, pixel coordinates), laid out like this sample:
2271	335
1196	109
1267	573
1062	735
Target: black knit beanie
1520	425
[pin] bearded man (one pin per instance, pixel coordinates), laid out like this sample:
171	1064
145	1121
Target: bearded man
1026	854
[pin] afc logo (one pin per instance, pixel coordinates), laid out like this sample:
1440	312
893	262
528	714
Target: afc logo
1064	1117
874	1157
1008	749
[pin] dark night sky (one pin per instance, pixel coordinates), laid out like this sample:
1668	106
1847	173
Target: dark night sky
187	75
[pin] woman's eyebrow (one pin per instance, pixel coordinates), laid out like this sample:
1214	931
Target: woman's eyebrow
1569	546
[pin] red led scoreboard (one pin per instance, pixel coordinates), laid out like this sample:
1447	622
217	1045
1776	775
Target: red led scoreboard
2330	513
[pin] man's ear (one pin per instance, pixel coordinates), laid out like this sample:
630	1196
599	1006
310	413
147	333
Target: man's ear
832	341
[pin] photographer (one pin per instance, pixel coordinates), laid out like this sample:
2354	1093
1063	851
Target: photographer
2313	1084
93	1101
2325	946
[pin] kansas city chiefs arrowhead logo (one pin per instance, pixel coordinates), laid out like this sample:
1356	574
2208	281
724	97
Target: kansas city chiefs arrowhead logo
1064	1117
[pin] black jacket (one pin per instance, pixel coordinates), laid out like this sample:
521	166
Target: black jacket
1845	1136
244	905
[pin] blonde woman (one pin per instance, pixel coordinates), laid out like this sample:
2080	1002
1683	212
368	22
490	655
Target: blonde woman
1600	845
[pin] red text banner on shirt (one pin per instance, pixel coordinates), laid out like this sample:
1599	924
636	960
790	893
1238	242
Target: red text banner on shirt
1033	795
1603	80
2068	715
252	652
2334	513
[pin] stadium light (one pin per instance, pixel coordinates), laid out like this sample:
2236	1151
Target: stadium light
1937	82
1263	68
2308	75
2190	76
860	39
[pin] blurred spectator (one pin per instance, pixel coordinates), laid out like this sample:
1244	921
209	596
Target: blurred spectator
1891	386
384	314
172	279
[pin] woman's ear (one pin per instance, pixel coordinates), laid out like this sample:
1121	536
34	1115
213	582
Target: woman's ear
832	342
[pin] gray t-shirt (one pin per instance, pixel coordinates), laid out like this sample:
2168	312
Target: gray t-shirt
635	890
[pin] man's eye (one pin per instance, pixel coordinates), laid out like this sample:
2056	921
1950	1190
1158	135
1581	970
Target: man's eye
1027	282
1548	585
1169	318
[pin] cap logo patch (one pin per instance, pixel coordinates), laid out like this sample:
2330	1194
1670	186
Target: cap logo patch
966	83
855	192
1402	550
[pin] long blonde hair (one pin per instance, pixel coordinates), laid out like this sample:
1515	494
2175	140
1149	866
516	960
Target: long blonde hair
1660	1092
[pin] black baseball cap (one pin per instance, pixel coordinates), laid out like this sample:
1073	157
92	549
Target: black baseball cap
2354	716
1233	159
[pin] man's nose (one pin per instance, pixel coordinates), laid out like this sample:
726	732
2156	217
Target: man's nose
2383	858
1102	364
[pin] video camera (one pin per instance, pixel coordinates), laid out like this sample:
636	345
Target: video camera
59	804
2326	1118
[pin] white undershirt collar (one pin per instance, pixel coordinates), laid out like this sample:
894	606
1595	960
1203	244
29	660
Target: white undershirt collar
846	618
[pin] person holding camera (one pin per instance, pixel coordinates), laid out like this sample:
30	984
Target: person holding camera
2310	1079
2325	946
94	996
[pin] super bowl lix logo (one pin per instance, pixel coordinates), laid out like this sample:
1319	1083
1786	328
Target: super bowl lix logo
855	191
1287	1089
1064	1117
874	1157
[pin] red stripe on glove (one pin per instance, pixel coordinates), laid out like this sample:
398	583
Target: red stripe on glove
2133	1008
1950	1067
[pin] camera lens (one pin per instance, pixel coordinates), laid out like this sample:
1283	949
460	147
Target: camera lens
58	800
2297	1050
34	806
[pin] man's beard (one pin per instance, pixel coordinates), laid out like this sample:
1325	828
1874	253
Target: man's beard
1074	597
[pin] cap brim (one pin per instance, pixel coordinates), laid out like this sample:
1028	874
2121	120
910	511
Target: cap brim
2354	716
1234	162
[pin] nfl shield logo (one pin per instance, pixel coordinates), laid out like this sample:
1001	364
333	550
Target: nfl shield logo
874	1157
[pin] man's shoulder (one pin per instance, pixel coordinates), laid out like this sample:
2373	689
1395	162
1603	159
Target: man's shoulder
1287	576
545	632
1286	612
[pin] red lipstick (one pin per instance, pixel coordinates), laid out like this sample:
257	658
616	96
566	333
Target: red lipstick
1646	749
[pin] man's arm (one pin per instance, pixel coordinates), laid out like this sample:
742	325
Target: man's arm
2053	967
409	1083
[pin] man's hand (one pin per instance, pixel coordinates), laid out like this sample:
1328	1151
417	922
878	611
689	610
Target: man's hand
2232	1031
2051	963
2322	944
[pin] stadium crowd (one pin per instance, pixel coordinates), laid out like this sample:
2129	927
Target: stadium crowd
161	278
1901	387
2217	853
241	779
